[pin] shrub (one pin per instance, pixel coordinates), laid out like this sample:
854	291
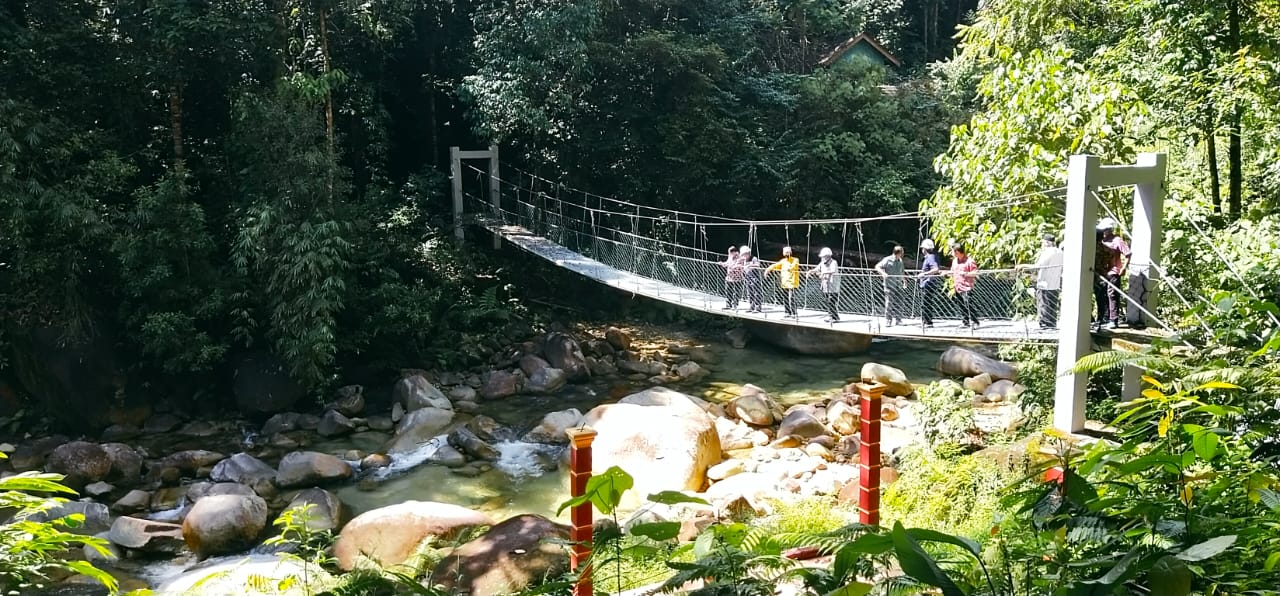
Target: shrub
958	496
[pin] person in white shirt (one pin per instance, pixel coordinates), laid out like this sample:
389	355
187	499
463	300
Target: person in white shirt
828	272
1048	269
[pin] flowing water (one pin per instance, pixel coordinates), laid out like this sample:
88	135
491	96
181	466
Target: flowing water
518	482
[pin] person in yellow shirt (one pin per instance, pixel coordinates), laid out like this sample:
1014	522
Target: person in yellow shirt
788	268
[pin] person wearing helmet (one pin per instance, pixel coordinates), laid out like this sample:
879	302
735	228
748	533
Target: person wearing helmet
892	268
1109	263
752	277
732	279
788	268
828	272
930	283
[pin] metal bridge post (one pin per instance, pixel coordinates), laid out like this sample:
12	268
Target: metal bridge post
1079	247
495	191
1146	231
455	180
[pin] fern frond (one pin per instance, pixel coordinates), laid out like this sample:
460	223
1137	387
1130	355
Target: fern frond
1103	361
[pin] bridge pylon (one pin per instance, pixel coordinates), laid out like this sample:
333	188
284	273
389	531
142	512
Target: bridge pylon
456	156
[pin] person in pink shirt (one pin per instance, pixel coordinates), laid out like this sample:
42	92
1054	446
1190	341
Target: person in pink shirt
1110	263
964	274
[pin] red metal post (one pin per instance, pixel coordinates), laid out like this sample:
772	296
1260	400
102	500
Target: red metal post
869	453
580	517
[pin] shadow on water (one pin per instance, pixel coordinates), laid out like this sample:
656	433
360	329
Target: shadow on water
517	483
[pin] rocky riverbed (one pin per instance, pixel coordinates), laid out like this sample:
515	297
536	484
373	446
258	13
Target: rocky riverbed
446	450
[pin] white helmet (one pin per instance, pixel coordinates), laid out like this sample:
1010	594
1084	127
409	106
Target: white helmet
1106	223
927	244
824	253
744	250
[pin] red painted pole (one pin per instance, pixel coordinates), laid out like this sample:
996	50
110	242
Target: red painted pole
580	517
869	453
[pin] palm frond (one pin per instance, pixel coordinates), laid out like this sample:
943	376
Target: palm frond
1103	361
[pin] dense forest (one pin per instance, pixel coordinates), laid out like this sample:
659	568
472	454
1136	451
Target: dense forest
189	188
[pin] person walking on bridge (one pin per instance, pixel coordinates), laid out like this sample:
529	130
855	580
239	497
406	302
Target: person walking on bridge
892	268
930	283
828	272
1048	269
1109	263
733	272
752	275
964	277
788	268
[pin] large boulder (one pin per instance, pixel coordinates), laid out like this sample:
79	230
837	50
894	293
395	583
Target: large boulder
310	468
553	426
801	422
661	396
498	384
960	362
690	371
843	417
810	340
467	442
512	556
564	353
541	377
754	406
664	447
388	536
418	427
224	524
126	464
334	424
1003	390
146	536
282	423
80	462
349	401
286	576
324	510
245	469
894	380
414	392
263	384
619	339
96	516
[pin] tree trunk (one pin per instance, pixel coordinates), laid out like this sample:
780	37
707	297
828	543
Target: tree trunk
1215	178
1234	160
175	127
328	98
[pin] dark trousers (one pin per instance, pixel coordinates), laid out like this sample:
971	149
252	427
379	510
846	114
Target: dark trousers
892	302
732	293
1107	299
1047	307
929	300
830	300
755	293
788	298
965	302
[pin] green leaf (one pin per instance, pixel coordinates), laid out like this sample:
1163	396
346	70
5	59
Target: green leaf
1169	577
672	497
1209	548
918	564
1206	445
656	530
853	589
604	491
933	536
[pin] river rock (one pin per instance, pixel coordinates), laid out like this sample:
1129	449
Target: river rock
894	380
800	423
546	381
199	428
224	524
498	384
169	498
350	401
326	511
380	423
80	462
282	423
192	461
690	372
134	501
748	490
287	577
126	464
310	468
843	417
467	442
375	461
978	383
507	559
485	427
448	456
754	406
810	340
1003	390
551	430
334	424
96	517
120	432
642	367
601	367
737	337
263	384
619	339
245	469
161	423
414	392
388	536
726	468
146	535
418	427
662	447
564	353
459	393
201	490
961	362
467	407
